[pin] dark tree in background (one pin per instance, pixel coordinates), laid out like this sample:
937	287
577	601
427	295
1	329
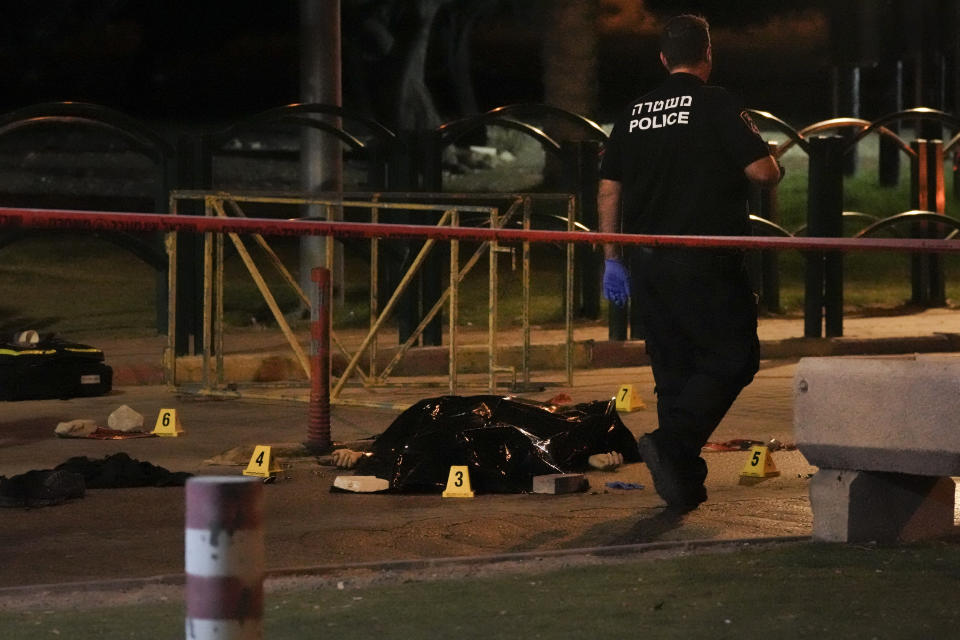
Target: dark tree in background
414	63
733	14
570	55
408	63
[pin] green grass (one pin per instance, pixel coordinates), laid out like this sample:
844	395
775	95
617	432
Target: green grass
793	591
75	284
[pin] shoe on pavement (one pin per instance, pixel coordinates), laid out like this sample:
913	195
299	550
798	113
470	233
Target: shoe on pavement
668	479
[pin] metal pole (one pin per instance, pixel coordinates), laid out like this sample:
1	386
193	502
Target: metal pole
207	293
194	172
224	557
492	300
584	157
374	289
769	261
936	198
888	172
568	298
321	161
824	278
616	322
525	295
833	228
919	285
852	94
454	304
170	356
318	428
218	312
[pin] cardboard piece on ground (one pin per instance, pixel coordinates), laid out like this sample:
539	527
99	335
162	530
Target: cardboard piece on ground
361	484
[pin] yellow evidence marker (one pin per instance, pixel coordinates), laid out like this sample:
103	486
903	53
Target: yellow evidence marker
760	464
168	424
458	483
628	399
262	463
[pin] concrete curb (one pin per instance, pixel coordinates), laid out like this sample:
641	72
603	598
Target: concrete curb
345	571
278	366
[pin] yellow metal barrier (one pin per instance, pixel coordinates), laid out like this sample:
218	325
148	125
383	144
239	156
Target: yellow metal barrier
449	207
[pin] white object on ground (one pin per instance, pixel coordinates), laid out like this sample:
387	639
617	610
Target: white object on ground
76	428
361	484
125	419
26	338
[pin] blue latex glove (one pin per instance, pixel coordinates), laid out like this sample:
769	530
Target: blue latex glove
616	282
624	485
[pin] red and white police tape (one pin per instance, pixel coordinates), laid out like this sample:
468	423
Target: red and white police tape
144	222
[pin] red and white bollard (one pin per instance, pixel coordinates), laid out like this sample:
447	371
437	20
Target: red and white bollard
224	558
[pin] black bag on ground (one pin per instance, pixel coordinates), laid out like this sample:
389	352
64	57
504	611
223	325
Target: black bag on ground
504	441
52	368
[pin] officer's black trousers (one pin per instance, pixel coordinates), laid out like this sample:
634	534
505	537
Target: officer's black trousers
700	316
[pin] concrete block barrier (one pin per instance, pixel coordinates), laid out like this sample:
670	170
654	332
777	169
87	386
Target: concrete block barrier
883	432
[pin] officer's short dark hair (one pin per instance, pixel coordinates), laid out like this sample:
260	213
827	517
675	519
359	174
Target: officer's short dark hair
684	40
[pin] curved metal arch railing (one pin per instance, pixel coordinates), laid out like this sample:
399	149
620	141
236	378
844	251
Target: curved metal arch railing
801	136
782	126
143	139
773	229
349	139
841	123
456	129
954	141
299	114
916	113
846	215
912	216
546	142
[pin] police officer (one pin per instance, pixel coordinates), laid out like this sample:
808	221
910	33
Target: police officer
679	162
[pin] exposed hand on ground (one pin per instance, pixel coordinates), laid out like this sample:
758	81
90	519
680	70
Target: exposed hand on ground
345	458
604	461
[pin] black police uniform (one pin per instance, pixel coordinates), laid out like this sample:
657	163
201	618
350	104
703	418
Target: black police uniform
679	153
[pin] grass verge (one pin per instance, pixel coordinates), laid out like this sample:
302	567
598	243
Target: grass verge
792	591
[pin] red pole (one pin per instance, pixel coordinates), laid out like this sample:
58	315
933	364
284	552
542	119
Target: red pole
318	428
